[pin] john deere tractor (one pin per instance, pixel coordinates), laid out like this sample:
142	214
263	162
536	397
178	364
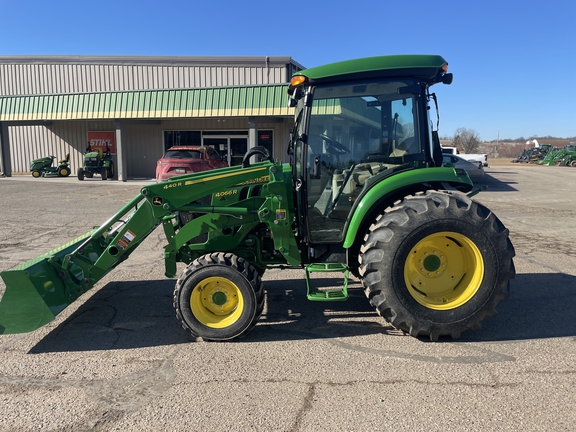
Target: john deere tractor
365	193
97	162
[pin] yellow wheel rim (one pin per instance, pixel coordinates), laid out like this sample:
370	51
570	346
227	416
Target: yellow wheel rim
35	174
216	302
444	270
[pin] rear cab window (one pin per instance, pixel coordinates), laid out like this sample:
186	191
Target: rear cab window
182	154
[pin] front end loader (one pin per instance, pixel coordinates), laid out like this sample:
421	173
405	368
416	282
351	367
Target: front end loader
365	193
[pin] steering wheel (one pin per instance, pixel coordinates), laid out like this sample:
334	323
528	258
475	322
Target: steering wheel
263	151
338	147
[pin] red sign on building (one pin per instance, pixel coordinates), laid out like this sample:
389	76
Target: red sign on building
99	140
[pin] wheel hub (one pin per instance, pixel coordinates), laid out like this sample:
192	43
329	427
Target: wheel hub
216	302
432	263
219	298
444	270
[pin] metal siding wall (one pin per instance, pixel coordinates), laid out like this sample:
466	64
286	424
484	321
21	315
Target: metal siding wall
56	139
20	79
281	138
143	144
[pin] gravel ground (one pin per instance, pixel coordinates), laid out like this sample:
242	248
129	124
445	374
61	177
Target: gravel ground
118	360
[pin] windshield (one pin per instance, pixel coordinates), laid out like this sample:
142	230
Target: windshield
364	122
356	132
183	154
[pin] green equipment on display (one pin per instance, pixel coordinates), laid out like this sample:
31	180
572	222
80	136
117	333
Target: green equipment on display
43	167
97	162
364	193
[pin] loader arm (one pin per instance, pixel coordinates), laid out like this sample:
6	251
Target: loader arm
39	289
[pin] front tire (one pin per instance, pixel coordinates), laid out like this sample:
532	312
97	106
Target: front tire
104	173
219	297
436	264
111	171
36	174
80	174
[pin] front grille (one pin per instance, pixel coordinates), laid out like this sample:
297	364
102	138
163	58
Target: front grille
91	162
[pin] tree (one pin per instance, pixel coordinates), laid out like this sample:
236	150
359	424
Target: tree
467	140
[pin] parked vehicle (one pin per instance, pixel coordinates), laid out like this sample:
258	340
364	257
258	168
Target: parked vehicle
534	154
363	194
474	170
478	158
43	167
97	162
179	160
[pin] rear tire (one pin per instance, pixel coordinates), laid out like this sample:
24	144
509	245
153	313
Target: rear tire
436	264
219	297
80	174
64	172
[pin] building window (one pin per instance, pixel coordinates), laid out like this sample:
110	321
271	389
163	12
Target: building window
176	138
265	139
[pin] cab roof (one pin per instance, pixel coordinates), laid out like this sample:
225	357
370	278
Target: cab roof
428	68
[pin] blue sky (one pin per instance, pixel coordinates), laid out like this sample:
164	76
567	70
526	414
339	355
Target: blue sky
514	62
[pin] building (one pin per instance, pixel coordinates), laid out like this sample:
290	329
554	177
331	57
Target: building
55	105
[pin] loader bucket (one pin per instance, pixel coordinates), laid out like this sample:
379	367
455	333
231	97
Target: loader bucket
36	291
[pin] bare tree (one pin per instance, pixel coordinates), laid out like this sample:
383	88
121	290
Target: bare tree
467	140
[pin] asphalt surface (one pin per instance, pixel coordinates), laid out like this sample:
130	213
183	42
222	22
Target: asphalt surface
118	360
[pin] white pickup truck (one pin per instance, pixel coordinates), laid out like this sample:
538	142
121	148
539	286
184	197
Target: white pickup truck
474	158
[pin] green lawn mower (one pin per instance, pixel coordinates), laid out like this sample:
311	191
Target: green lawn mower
96	162
43	167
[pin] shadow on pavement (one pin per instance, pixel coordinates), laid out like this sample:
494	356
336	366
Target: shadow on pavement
491	180
540	306
126	315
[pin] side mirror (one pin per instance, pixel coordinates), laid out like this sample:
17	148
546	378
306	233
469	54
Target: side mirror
447	79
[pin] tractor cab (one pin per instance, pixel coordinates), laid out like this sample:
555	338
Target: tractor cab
355	127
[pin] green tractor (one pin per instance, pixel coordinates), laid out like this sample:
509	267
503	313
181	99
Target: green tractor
97	162
569	158
365	193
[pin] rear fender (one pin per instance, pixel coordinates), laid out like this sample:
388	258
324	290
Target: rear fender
403	180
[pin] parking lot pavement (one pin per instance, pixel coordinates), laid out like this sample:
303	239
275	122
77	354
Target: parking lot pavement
73	180
117	359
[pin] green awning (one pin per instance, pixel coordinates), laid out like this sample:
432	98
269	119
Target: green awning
242	101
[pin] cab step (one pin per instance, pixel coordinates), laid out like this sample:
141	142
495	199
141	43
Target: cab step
327	295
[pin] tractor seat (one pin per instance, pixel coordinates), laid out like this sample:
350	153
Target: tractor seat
66	159
408	146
